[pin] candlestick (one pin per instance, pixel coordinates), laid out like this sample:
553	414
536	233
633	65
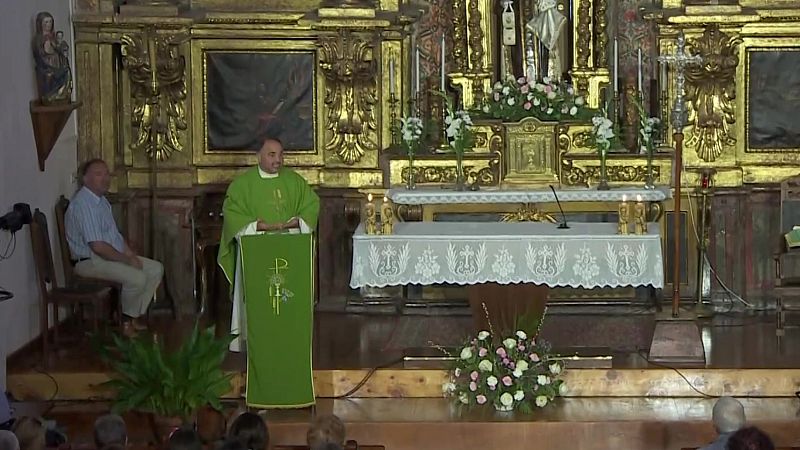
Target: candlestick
663	76
391	75
387	217
369	216
441	63
416	72
639	217
624	212
639	69
616	66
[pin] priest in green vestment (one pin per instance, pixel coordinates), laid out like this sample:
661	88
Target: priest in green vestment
267	198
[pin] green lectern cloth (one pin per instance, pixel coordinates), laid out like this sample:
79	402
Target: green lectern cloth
278	289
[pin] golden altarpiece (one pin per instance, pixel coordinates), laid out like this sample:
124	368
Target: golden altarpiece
154	106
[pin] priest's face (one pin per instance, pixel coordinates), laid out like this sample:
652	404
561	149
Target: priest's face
97	178
270	157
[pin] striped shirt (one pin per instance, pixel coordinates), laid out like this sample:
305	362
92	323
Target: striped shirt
89	219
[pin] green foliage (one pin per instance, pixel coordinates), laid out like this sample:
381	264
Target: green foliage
170	384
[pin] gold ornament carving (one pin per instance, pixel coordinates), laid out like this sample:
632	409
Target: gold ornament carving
585	176
711	92
158	89
527	213
601	23
584	34
348	64
486	176
475	38
460	35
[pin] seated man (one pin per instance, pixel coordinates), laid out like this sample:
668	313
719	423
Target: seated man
110	429
728	417
99	250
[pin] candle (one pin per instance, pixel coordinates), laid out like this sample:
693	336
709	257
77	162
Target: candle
639	70
639	217
616	66
387	219
391	75
369	216
416	72
624	212
441	62
663	76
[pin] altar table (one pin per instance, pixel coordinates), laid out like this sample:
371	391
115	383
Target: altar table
432	196
587	255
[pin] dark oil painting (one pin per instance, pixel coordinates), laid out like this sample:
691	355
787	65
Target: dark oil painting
774	99
252	96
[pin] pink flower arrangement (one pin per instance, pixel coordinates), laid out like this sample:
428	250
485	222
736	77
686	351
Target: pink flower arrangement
513	100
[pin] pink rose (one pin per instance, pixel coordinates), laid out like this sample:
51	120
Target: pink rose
548	89
521	80
507	380
534	357
474	375
505	361
482	352
501	352
511	365
527	106
481	399
493	387
473	386
521	347
524	89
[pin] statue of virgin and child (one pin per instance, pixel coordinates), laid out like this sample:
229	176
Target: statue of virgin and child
51	55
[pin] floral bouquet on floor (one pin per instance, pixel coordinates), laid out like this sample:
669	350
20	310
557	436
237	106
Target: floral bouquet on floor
509	373
411	131
513	100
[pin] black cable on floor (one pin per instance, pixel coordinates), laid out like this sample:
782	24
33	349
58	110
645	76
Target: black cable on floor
366	378
52	399
641	354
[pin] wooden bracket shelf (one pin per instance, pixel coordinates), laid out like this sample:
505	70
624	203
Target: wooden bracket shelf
48	122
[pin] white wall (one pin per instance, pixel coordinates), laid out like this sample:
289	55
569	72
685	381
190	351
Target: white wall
20	178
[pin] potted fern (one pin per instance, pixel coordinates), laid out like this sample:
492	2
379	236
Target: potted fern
169	385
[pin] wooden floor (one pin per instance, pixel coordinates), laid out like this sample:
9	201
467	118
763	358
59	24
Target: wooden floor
633	405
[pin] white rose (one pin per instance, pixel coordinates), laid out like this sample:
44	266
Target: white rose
549	110
562	390
517	373
506	399
555	369
543	380
483	335
536	101
519	395
462	397
511	101
498	85
485	365
522	365
573	110
551	95
521	334
579	101
486	108
546	80
510	343
448	388
541	401
491	381
457	372
506	90
466	353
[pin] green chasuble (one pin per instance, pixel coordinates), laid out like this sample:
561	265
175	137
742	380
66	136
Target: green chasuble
278	333
276	199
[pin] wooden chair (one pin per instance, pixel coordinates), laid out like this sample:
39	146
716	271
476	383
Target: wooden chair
71	278
49	291
787	261
349	445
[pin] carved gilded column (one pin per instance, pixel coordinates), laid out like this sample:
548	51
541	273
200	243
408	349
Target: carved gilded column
473	31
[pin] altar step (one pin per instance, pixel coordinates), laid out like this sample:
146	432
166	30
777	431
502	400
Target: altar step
427	383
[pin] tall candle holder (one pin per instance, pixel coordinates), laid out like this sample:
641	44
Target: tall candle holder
393	102
370	219
639	216
624	214
387	217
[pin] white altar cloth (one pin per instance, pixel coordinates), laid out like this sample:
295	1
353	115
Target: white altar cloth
587	255
432	196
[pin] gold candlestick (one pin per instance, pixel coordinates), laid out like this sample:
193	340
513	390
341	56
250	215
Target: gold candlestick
639	217
387	217
370	224
624	213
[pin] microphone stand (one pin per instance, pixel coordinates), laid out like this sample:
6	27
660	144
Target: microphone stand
563	225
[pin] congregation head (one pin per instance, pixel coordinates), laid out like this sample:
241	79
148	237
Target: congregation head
30	432
184	439
250	430
270	156
728	415
326	429
750	438
95	176
8	441
110	429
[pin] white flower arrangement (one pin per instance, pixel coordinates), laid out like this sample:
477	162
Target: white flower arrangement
514	372
411	130
546	100
459	130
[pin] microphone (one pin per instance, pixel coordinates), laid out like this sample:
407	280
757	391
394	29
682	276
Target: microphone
563	225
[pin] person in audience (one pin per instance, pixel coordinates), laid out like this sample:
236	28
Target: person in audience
98	249
728	416
8	441
31	433
750	438
109	430
211	426
250	430
184	440
325	429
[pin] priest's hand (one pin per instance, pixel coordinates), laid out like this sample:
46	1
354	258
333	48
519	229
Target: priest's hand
294	223
264	226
